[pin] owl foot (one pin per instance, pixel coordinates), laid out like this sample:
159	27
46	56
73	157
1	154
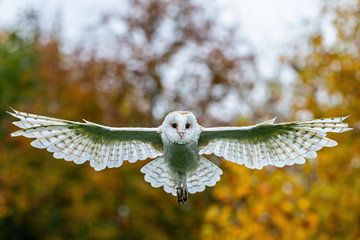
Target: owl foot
182	195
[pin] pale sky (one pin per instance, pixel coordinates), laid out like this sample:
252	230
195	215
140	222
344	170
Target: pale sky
269	26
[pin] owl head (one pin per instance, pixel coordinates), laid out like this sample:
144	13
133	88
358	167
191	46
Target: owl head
180	127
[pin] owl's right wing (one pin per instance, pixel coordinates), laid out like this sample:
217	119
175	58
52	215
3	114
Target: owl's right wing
271	144
82	141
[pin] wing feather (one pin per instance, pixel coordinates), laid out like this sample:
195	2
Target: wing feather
82	141
269	143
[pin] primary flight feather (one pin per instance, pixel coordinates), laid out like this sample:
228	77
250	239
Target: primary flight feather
179	145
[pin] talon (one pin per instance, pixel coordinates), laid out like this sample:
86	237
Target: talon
181	189
182	195
179	194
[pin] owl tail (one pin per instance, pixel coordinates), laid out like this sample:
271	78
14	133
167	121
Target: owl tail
158	174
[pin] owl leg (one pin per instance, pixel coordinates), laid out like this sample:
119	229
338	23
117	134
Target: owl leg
181	189
182	194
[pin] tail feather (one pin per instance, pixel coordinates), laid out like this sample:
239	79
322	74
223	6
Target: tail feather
158	174
206	175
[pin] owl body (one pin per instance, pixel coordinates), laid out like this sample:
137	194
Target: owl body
178	147
181	151
181	157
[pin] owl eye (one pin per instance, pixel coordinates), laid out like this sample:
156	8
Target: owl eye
188	125
174	125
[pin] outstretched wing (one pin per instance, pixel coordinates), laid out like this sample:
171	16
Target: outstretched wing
271	144
81	141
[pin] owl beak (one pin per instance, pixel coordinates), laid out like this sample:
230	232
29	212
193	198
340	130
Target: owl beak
181	134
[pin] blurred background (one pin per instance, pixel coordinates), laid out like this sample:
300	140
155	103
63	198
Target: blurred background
129	62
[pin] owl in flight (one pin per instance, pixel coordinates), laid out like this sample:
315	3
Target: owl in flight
178	147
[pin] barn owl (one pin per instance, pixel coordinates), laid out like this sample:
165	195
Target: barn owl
178	148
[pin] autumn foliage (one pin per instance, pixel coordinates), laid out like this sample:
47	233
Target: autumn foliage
44	198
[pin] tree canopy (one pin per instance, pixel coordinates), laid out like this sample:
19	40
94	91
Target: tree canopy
149	74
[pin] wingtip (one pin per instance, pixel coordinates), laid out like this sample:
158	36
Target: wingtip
345	117
271	121
89	122
8	112
12	112
347	129
14	134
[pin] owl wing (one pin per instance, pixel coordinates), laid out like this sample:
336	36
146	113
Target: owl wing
271	144
81	141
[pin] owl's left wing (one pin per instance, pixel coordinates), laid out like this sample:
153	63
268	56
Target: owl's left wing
271	144
86	141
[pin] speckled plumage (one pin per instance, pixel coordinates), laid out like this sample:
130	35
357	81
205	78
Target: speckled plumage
178	147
